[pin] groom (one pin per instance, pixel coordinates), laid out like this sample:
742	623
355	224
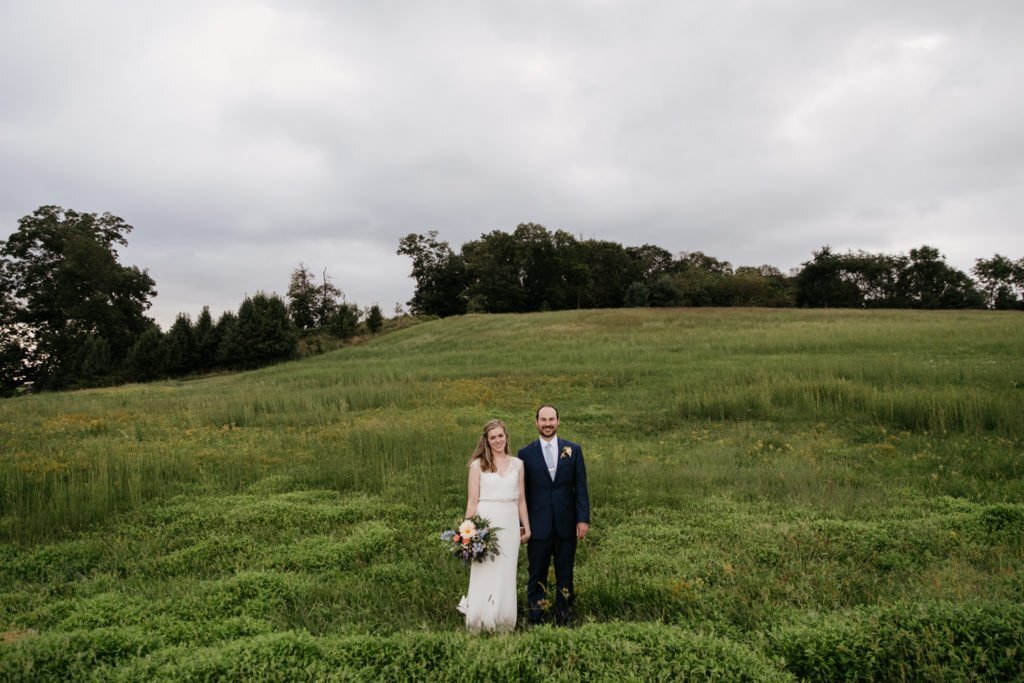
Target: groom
559	509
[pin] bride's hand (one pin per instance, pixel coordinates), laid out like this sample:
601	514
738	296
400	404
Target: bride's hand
524	536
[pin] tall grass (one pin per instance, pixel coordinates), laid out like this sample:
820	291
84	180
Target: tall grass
749	470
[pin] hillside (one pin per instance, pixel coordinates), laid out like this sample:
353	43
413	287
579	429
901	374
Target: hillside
776	493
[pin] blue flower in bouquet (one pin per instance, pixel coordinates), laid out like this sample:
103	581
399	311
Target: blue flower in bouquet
472	540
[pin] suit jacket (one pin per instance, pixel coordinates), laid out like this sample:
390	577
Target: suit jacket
555	506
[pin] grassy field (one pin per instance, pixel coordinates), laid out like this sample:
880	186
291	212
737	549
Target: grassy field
785	495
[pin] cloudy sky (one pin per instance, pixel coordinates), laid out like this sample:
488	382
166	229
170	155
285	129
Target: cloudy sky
242	138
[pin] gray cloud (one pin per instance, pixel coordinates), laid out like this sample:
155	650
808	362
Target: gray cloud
242	138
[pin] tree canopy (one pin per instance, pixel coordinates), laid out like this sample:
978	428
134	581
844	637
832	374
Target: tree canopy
63	286
72	315
439	273
534	269
1002	281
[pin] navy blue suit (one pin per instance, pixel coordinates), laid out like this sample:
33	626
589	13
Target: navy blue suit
555	507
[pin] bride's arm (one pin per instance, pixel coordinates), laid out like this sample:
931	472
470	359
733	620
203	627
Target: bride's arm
524	516
473	497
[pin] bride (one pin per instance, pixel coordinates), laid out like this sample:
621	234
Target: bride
497	493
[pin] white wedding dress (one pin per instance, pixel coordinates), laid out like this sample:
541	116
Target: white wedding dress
490	603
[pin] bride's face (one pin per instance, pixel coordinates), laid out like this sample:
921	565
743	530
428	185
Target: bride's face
496	440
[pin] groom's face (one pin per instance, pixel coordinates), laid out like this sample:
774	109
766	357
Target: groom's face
547	422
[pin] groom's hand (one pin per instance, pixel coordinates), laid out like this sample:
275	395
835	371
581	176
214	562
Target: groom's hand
581	530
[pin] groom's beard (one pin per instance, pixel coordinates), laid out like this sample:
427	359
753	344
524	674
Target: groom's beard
548	432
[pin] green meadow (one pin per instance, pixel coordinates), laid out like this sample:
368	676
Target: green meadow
777	495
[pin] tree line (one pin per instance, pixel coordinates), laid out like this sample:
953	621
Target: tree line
536	269
72	316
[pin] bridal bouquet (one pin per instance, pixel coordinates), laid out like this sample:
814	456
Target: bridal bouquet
474	541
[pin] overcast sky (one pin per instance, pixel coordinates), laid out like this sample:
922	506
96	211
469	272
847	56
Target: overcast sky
242	138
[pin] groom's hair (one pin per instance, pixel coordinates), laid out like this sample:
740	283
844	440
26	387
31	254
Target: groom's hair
546	405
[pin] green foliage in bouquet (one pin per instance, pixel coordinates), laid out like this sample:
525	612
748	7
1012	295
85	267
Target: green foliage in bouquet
475	540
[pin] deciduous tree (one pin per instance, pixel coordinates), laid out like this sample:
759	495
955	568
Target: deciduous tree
302	295
494	274
64	284
1001	280
327	298
608	277
821	283
439	273
929	282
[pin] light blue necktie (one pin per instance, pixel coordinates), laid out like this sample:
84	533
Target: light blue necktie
549	457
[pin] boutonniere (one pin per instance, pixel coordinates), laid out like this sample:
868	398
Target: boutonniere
566	453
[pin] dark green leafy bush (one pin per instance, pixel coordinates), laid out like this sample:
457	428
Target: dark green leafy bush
639	652
927	642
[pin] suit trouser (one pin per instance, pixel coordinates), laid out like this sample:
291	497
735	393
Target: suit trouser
540	553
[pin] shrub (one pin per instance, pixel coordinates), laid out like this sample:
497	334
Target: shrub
935	641
597	652
74	656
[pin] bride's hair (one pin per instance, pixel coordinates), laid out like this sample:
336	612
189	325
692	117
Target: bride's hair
483	447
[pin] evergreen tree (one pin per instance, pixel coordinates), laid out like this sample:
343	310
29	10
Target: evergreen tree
265	331
145	360
345	321
96	366
374	319
230	349
180	347
207	339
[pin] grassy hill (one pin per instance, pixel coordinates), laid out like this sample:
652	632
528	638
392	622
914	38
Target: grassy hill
776	494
